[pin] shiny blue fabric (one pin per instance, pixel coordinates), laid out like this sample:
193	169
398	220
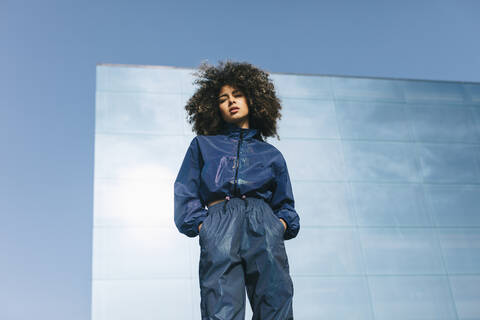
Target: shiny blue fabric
242	247
233	163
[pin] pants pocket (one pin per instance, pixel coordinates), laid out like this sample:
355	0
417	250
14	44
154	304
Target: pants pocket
204	229
277	223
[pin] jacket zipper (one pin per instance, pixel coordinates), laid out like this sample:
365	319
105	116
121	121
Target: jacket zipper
238	163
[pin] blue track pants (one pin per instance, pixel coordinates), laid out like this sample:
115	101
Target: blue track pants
242	245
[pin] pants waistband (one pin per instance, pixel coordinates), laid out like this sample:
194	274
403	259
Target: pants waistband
229	198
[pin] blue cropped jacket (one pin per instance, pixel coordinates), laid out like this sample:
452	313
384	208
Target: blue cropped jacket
234	163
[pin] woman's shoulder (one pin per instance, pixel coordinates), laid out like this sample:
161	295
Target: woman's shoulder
201	137
272	147
278	160
207	141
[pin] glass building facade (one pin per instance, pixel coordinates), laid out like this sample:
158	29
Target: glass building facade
386	179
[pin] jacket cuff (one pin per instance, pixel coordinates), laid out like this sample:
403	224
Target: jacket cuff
191	229
293	224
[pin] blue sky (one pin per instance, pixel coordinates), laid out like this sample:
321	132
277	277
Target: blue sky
49	50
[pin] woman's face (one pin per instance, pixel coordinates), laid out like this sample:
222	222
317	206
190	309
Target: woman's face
233	106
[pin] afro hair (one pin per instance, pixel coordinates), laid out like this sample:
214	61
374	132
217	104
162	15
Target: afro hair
263	104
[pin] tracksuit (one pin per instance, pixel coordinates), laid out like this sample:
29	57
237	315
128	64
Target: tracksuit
242	238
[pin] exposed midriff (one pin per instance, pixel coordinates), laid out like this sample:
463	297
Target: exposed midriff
214	202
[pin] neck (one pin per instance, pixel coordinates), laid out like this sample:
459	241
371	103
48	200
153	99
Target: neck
243	124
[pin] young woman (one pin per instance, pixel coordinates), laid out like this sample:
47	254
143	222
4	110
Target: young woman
244	183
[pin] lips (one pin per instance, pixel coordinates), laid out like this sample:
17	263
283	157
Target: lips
234	109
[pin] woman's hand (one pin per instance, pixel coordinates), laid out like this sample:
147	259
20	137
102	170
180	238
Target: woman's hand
200	226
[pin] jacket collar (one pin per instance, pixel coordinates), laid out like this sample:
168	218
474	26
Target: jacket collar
232	130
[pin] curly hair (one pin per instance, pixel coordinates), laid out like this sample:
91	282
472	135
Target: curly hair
263	104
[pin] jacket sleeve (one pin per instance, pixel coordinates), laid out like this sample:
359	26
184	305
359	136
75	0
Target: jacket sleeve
283	203
189	211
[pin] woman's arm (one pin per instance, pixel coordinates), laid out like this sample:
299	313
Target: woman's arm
189	211
283	203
